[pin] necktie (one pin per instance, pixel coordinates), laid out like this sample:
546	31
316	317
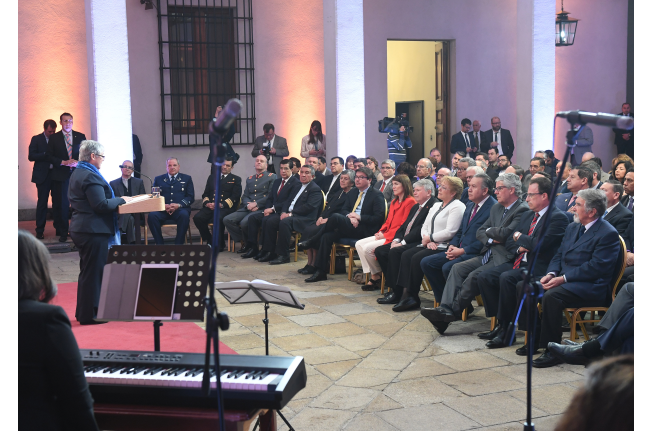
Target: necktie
581	231
486	256
496	138
530	232
360	195
473	214
478	141
572	202
412	221
222	177
69	146
283	182
466	140
382	187
631	203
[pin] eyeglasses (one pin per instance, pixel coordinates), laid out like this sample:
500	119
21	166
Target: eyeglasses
440	175
361	178
421	167
386	167
127	167
100	155
499	188
530	195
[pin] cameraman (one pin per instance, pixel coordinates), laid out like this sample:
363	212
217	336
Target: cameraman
398	139
272	146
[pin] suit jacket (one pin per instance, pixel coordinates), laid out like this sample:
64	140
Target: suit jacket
587	263
415	233
136	187
464	198
335	190
583	143
372	211
53	391
307	207
388	193
458	143
562	202
336	203
466	236
279	144
620	217
562	189
321	180
507	144
38	154
500	230
138	152
558	223
629	236
278	199
230	190
57	152
618	139
180	192
93	206
624	201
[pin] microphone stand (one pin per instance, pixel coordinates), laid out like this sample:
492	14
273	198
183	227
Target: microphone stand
533	290
151	182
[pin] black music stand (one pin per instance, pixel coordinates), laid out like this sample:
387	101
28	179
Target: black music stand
255	291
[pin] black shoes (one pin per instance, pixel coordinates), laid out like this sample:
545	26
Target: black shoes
308	269
490	334
251	253
63	238
376	285
389	299
407	304
568	354
305	245
40	235
523	350
444	313
268	257
92	322
439	325
318	276
546	360
279	260
498	341
244	249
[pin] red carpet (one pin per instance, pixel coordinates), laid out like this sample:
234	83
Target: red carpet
175	337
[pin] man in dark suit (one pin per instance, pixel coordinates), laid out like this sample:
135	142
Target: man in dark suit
275	146
493	165
579	179
625	139
616	214
499	138
565	174
332	182
385	186
179	194
362	216
580	272
500	286
462	140
138	155
300	211
462	247
628	199
437	155
462	283
280	193
596	182
63	152
127	185
320	179
230	190
38	147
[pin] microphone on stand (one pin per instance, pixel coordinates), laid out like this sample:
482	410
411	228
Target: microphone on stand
125	166
600	118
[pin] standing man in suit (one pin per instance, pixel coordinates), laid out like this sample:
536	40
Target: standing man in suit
63	152
41	176
628	199
625	139
332	182
138	155
616	214
257	188
498	138
462	283
497	299
437	155
462	140
179	194
385	186
280	192
272	146
580	272
127	185
361	216
230	190
477	136
583	144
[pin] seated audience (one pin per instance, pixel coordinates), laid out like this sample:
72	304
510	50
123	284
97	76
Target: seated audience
296	165
470	172
53	393
454	161
624	301
320	179
462	283
596	174
230	191
315	230
400	207
439	227
179	194
437	155
407	169
619	170
463	164
519	171
562	188
322	166
551	162
423	170
385	184
362	163
493	167
482	157
628	199
537	165
579	179
443	172
127	185
502	162
255	193
373	164
617	215
332	181
590	157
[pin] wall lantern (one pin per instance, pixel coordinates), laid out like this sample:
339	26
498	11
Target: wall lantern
565	27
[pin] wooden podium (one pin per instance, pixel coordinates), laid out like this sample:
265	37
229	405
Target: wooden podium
143	206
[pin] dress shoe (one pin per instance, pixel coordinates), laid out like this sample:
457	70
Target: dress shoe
92	322
445	314
376	285
279	260
570	343
318	276
304	245
546	360
245	249
389	299
523	350
490	334
268	257
308	269
497	342
40	235
409	303
439	325
63	238
251	253
568	354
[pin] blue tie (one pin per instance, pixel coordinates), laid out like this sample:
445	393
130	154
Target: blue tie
487	254
581	231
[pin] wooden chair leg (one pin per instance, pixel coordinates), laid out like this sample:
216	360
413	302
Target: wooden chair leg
493	323
298	237
332	266
479	300
351	262
382	283
525	338
464	315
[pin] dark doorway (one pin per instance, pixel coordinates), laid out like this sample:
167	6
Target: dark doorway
415	114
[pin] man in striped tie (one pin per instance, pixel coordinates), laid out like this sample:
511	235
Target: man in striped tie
501	285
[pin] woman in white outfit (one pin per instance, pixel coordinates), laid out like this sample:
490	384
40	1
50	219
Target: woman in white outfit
314	144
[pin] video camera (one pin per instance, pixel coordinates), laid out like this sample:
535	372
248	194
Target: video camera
400	120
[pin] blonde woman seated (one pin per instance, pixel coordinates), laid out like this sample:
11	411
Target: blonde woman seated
397	214
440	226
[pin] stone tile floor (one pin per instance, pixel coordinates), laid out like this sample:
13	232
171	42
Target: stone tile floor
370	368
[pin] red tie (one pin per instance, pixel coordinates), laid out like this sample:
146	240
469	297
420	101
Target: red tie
530	231
572	202
473	214
382	186
282	184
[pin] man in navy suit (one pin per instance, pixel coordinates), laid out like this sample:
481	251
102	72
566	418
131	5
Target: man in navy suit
579	179
579	274
498	138
617	215
500	286
562	188
464	245
63	152
38	147
179	194
462	141
279	194
625	139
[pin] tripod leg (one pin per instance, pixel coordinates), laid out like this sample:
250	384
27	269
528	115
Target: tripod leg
284	419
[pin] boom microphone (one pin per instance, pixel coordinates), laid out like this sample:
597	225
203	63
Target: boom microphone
600	118
227	116
125	166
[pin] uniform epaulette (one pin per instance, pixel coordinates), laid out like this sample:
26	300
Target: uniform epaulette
270	174
250	177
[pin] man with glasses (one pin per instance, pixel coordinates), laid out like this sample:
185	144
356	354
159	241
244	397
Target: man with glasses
503	162
442	172
332	181
423	168
499	138
127	185
63	152
362	215
385	186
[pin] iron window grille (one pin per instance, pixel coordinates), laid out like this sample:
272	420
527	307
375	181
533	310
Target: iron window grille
206	57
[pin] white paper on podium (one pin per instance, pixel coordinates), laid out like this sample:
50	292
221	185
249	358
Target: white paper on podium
248	292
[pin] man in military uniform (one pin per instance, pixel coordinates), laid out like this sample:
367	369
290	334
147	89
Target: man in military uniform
256	191
230	191
179	194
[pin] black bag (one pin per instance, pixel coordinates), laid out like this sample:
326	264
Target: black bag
341	267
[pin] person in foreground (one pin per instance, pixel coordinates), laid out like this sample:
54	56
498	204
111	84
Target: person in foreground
53	391
93	227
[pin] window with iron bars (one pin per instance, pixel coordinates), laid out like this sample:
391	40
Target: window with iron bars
206	58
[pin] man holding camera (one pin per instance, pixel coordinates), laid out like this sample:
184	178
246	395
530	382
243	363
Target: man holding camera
273	147
398	139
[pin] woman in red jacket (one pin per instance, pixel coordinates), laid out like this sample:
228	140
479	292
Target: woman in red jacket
399	208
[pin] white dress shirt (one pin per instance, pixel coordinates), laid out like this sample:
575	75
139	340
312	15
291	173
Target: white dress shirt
299	193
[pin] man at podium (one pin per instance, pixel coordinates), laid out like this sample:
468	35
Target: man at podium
179	194
127	185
